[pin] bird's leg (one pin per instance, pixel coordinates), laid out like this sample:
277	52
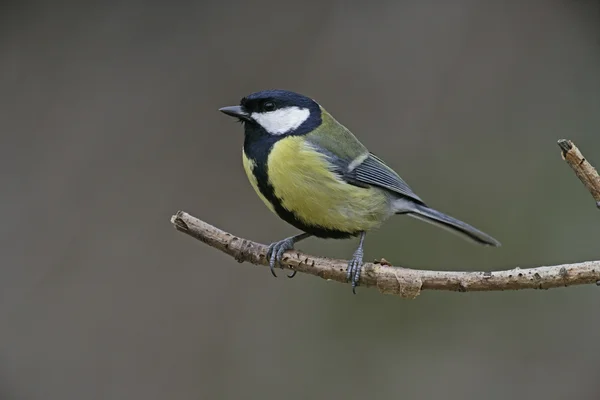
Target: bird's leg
355	264
276	250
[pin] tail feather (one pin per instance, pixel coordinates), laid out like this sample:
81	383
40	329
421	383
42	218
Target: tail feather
453	225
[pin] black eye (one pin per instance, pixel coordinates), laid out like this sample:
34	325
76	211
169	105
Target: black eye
269	106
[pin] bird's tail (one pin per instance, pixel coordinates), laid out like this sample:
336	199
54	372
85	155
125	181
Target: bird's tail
453	225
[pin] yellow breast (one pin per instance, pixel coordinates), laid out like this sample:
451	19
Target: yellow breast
304	183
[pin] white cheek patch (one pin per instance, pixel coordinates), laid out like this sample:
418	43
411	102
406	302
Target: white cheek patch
282	121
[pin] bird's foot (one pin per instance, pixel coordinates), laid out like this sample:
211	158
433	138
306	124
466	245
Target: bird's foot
354	268
275	254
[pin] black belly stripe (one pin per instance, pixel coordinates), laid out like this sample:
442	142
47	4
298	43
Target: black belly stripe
258	153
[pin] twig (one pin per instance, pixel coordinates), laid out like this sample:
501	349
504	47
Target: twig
404	282
586	173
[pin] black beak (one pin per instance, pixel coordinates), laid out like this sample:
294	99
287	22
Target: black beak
235	111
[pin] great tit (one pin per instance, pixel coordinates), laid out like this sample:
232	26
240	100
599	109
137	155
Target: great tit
314	174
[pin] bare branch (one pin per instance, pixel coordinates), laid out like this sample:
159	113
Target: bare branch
404	282
586	173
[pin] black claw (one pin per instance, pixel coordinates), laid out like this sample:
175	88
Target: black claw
293	274
275	254
272	268
270	257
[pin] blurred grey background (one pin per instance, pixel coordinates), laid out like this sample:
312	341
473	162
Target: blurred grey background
109	125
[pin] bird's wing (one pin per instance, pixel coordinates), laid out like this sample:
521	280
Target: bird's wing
352	161
373	171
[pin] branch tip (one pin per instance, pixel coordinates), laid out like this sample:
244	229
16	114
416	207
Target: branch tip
178	221
565	145
586	173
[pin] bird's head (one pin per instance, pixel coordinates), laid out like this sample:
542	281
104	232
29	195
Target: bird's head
277	113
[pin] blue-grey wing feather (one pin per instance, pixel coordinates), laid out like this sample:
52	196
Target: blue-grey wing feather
373	171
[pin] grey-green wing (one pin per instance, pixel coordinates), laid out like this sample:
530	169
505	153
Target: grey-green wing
373	171
344	150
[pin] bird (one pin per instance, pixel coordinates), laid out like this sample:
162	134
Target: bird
313	172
